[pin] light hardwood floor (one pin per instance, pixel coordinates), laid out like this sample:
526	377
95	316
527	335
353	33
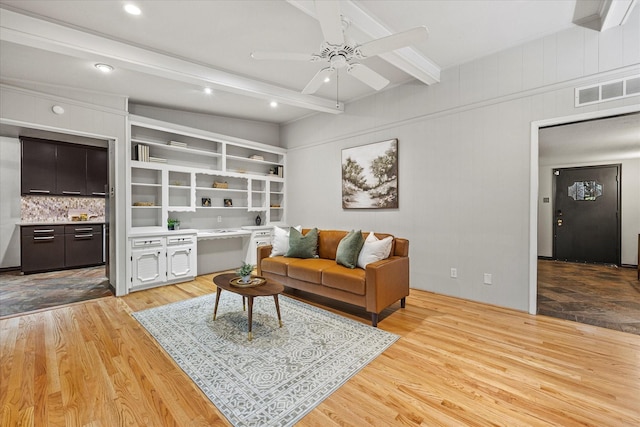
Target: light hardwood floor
457	363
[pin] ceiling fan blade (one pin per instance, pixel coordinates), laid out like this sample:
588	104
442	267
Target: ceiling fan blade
317	80
328	13
394	41
282	56
367	76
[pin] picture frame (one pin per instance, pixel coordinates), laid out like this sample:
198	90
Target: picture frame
370	176
206	202
228	203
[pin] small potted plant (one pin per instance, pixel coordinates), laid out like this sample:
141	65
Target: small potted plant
245	272
173	224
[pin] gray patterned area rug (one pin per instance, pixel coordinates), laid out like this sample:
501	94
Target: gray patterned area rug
279	376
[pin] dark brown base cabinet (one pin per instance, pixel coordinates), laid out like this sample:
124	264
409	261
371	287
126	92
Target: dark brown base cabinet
82	245
42	248
56	247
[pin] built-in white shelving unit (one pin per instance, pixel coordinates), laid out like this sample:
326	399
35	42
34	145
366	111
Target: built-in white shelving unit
177	169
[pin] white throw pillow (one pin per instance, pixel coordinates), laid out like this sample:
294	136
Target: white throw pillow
374	250
280	242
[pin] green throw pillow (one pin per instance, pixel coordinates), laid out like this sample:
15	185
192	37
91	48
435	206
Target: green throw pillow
349	249
303	246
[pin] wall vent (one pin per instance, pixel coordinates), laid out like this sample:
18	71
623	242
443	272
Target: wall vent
607	91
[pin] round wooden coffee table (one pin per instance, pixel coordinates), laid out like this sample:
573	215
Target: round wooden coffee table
223	281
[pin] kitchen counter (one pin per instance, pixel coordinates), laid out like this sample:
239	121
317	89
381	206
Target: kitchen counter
26	224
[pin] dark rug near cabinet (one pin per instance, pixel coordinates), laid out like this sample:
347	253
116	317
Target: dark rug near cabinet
599	295
24	293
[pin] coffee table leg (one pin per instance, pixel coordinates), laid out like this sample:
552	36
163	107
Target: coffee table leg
215	308
275	298
250	317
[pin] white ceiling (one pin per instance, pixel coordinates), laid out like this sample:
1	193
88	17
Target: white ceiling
608	139
168	54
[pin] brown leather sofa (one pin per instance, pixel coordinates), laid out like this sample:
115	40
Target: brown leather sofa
374	288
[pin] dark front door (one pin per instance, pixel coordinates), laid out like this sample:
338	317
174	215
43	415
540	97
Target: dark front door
587	214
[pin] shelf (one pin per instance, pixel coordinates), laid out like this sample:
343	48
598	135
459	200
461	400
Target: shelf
246	159
143	184
176	148
227	190
227	208
179	187
146	207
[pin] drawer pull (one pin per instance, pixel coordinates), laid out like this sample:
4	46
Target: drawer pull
39	191
71	192
79	230
44	238
97	194
48	230
83	236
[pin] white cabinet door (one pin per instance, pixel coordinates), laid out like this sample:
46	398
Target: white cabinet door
148	266
181	262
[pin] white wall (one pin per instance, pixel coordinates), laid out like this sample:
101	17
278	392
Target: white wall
464	157
10	206
630	225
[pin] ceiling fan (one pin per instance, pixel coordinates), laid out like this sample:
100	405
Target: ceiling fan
340	53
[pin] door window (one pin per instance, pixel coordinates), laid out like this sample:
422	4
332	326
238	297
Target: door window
585	190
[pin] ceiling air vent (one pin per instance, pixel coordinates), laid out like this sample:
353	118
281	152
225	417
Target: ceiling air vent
608	91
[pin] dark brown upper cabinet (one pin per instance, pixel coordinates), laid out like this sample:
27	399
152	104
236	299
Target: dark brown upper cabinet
38	167
71	170
97	165
58	168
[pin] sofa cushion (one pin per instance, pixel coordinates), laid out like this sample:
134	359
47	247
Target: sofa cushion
280	244
303	246
374	250
345	279
328	241
349	249
309	270
276	265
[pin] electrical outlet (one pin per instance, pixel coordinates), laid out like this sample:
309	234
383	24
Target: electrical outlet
219	218
454	273
488	279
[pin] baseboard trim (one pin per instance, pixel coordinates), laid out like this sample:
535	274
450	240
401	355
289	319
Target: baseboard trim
5	269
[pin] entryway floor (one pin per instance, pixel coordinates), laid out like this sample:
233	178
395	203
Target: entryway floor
24	293
598	295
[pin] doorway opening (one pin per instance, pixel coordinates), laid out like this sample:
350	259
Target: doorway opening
549	266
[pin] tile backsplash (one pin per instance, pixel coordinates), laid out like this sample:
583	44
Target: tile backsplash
56	208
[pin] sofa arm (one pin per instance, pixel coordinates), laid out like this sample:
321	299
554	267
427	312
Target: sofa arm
387	281
263	252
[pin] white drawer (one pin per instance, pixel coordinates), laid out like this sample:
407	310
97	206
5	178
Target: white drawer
180	240
146	242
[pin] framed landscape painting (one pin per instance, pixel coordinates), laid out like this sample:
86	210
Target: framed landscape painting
370	176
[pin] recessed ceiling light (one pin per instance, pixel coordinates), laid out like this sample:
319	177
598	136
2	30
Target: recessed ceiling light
327	79
273	104
208	90
132	9
105	68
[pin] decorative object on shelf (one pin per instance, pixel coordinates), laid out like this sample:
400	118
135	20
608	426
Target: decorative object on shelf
142	153
173	224
228	203
217	184
275	205
143	204
157	160
245	271
258	220
277	170
256	157
370	176
206	202
177	143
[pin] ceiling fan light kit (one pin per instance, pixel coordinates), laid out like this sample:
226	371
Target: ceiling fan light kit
340	53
